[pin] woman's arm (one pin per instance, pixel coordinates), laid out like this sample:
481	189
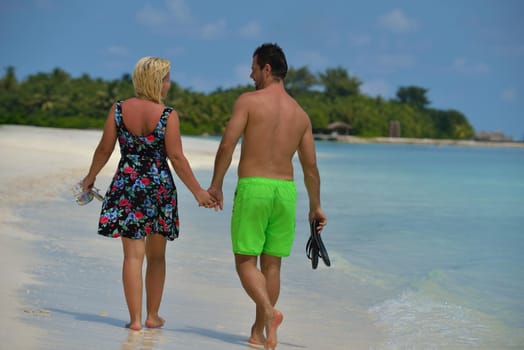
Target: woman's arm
178	160
103	151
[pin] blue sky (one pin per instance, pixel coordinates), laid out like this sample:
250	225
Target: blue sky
469	54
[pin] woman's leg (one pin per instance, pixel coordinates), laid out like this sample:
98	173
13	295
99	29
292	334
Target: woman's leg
155	278
134	250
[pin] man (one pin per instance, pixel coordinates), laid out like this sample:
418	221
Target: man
273	127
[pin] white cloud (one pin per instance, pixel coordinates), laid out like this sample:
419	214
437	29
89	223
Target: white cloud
509	95
174	18
250	30
397	22
213	30
180	10
152	17
376	87
464	66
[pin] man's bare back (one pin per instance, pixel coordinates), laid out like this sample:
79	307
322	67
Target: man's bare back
273	131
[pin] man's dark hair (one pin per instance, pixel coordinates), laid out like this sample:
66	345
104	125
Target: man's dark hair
273	55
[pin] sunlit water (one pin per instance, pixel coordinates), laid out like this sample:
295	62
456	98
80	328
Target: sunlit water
437	236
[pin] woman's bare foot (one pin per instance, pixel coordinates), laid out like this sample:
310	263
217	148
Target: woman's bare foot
273	323
135	326
155	322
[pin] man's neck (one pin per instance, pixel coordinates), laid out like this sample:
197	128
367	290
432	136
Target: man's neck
274	84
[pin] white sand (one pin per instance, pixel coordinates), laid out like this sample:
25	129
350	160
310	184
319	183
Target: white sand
37	163
61	286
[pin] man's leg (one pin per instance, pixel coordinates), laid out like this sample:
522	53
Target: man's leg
155	278
134	250
255	285
270	266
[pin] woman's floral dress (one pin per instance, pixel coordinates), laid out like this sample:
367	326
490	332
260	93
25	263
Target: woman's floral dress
142	197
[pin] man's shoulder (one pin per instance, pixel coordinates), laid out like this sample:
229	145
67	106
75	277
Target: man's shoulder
250	97
251	94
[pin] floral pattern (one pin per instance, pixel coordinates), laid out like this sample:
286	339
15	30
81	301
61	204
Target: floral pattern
142	197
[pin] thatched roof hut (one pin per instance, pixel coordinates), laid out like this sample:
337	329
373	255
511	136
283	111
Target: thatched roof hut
340	128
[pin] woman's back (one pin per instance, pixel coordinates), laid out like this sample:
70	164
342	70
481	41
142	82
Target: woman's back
140	116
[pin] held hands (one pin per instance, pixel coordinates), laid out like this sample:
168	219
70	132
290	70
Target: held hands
207	200
218	195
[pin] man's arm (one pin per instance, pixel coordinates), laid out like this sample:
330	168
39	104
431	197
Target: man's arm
308	160
234	130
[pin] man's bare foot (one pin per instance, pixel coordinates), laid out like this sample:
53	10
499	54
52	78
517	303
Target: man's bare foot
155	322
271	341
257	339
255	343
134	326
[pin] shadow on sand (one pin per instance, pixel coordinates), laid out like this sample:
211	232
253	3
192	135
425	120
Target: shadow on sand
80	316
225	337
213	334
150	335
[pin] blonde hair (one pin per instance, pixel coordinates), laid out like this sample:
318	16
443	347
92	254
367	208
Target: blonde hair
148	77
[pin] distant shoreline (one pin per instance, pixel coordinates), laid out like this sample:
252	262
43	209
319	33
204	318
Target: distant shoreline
416	141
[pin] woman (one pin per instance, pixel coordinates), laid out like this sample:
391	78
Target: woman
141	203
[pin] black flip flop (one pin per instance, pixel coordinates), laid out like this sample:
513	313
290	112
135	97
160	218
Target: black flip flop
315	247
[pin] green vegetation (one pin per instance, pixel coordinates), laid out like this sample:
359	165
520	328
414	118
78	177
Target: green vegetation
57	99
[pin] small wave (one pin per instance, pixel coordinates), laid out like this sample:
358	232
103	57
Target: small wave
414	320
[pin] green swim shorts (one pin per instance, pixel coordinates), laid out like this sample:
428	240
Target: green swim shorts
263	219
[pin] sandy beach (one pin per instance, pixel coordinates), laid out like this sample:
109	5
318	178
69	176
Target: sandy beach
40	165
419	141
61	285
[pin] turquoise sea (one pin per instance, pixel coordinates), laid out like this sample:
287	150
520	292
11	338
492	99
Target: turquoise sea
426	244
433	237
